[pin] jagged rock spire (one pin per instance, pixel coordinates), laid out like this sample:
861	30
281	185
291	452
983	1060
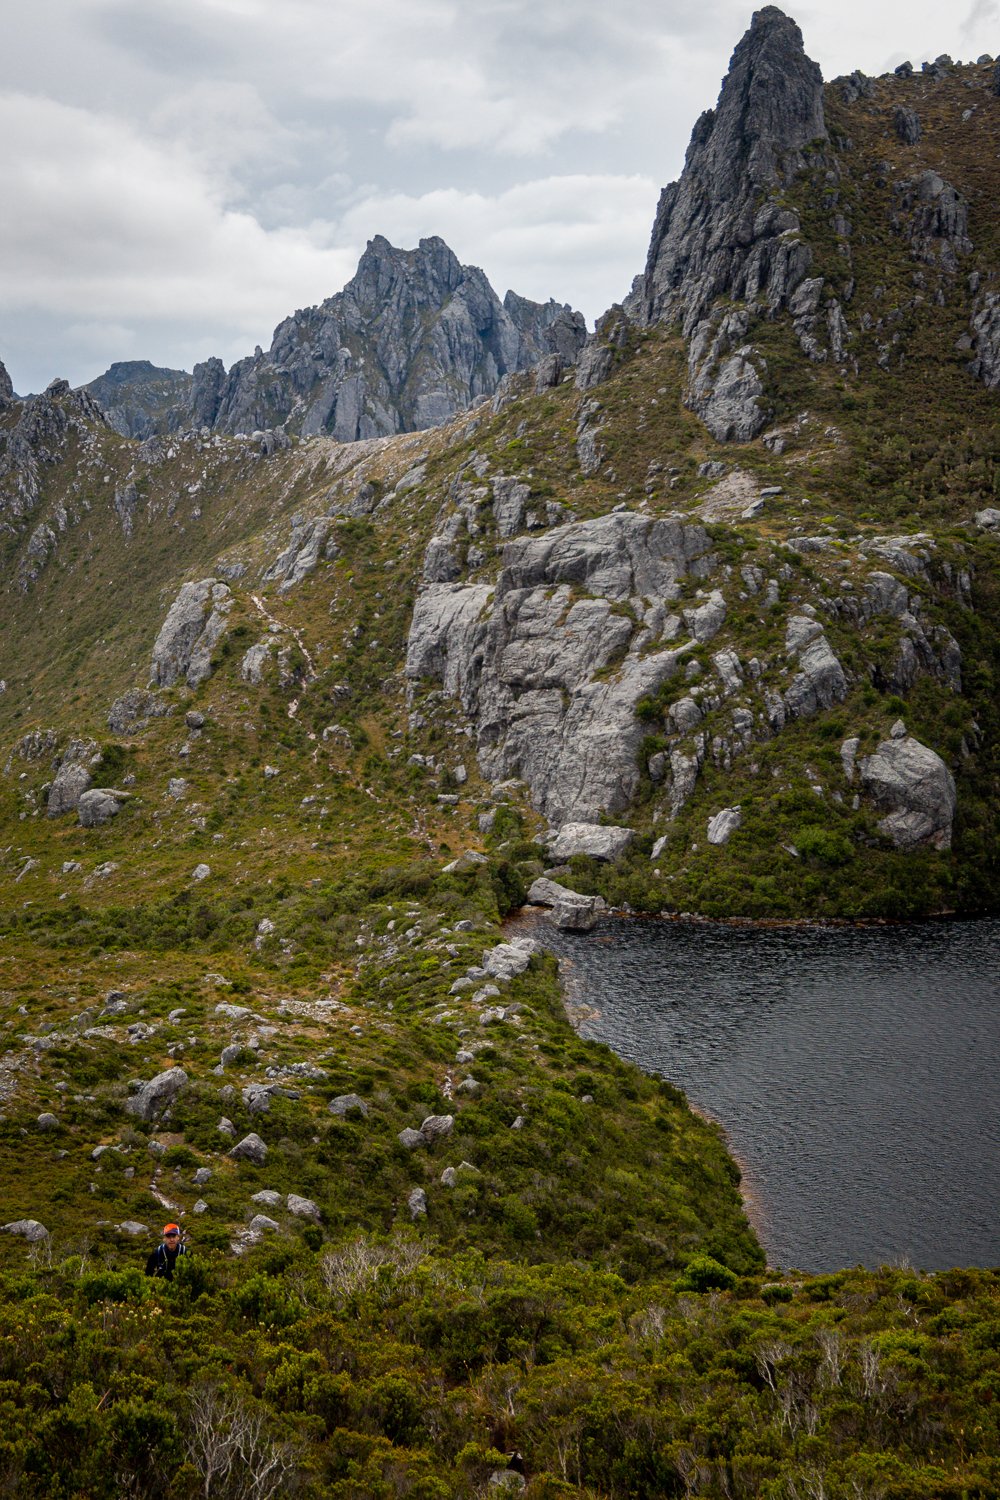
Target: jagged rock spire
713	236
6	387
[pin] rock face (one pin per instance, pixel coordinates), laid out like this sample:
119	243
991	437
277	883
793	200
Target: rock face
721	231
412	339
911	784
190	633
132	712
32	443
528	659
713	236
593	637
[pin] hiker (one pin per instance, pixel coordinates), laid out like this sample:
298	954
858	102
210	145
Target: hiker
163	1259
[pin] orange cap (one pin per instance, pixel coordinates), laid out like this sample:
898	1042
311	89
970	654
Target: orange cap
168	1227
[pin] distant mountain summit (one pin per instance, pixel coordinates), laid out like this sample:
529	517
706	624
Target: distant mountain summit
413	338
139	399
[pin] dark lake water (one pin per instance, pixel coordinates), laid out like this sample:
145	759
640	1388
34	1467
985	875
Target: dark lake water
856	1072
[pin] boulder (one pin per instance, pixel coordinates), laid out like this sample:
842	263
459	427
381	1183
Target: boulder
417	1203
47	1122
436	1127
507	960
157	1095
268	1198
571	911
723	824
347	1104
911	784
69	785
261	1224
250	1148
303	1208
820	681
411	1139
98	805
581	914
545	892
595	839
132	1227
28	1229
254	662
257	1098
466	862
194	625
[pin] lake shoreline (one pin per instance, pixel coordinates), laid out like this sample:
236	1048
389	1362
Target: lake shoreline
579	1013
852	1066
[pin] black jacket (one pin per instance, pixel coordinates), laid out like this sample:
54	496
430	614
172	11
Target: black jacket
162	1261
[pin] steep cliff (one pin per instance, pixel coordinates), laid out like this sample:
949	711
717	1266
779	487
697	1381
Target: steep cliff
724	233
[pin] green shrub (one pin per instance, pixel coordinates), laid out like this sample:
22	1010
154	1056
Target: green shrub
704	1274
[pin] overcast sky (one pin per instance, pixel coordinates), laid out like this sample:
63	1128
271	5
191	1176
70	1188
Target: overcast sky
179	175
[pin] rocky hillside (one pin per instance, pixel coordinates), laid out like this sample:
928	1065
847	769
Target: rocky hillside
412	339
705	622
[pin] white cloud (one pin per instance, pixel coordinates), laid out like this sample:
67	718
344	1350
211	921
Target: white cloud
101	222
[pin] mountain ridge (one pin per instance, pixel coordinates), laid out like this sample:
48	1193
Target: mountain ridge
411	339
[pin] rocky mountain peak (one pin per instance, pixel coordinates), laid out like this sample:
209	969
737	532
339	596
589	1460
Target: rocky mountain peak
413	338
723	235
770	108
6	387
431	270
712	236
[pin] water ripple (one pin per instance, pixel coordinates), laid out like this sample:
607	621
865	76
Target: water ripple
856	1072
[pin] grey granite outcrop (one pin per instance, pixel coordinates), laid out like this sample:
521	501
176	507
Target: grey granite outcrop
98	805
550	663
73	777
911	784
412	339
193	628
134	710
152	1098
597	840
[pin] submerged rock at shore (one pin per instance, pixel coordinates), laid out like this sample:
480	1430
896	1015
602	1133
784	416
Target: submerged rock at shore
570	910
